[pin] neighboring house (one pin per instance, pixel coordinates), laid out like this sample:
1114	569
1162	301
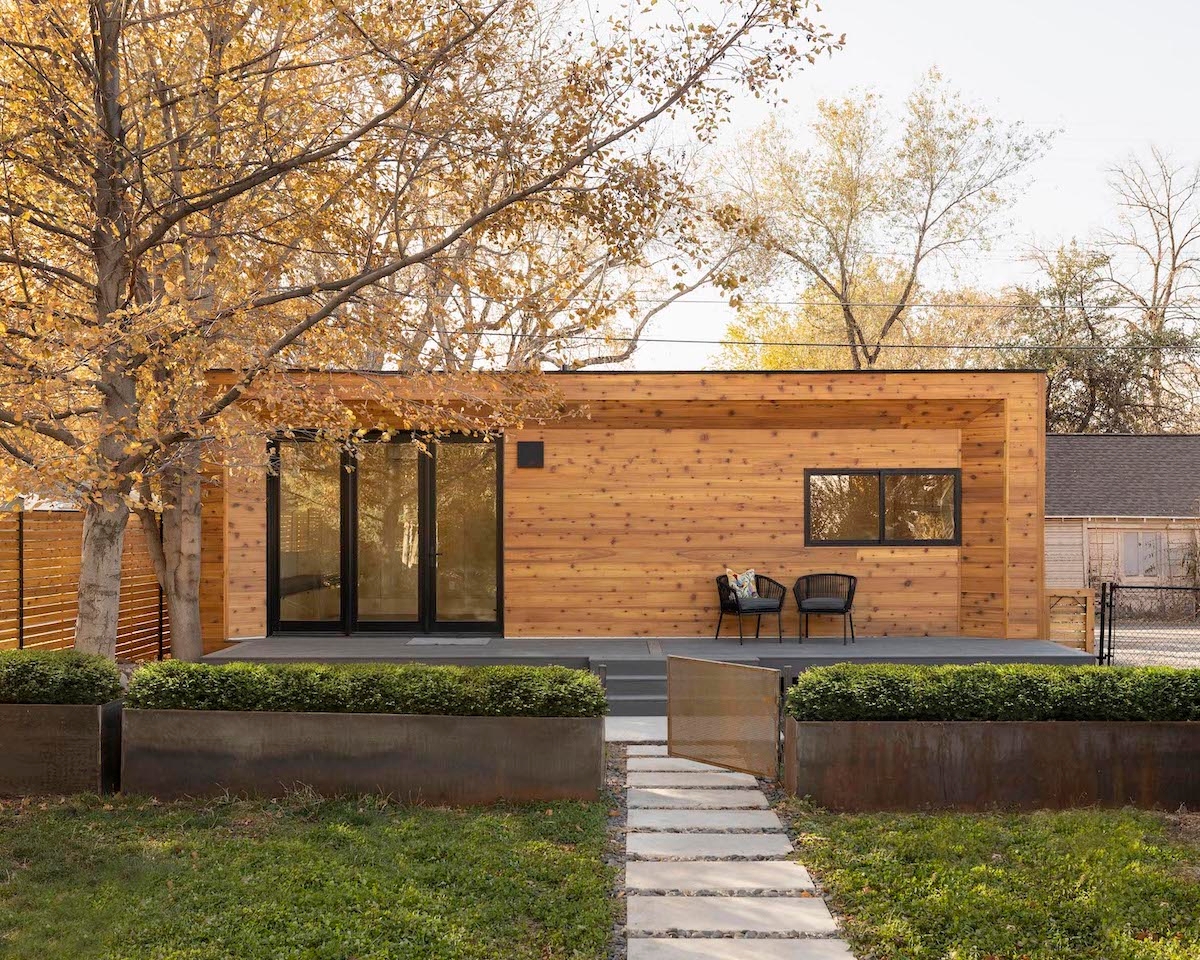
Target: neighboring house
1122	508
928	486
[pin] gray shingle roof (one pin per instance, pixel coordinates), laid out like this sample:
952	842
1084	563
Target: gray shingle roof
1122	476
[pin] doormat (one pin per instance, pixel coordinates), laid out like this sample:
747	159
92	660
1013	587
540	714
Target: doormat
449	642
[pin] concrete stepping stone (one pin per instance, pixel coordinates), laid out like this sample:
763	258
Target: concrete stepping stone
784	916
725	779
646	750
717	876
674	798
708	820
728	948
700	846
680	764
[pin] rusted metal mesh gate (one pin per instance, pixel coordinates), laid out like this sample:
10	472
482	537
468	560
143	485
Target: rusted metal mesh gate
724	713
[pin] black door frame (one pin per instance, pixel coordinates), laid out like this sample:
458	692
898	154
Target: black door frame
348	621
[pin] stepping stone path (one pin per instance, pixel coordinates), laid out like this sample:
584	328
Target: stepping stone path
706	874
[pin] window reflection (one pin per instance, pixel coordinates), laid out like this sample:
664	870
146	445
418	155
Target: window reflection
843	507
388	532
466	532
310	477
919	506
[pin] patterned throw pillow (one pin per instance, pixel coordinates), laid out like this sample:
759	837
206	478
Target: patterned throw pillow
742	584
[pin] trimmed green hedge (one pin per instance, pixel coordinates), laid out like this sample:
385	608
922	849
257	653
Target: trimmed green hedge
58	677
369	688
994	692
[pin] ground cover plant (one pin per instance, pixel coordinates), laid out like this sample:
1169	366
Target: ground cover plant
994	692
413	688
1075	885
128	879
58	677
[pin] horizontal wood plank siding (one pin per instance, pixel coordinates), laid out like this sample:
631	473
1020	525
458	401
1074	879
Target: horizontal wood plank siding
623	531
657	481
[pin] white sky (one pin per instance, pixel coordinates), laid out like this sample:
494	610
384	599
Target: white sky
1111	77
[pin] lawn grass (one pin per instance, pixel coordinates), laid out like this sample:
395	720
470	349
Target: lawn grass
302	878
1075	885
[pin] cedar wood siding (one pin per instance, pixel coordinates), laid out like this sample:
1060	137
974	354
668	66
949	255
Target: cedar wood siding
672	476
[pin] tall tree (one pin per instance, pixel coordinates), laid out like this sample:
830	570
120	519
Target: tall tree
947	329
252	184
1104	365
857	220
1153	266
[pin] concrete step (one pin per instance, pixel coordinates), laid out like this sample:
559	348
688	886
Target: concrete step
637	686
633	668
724	916
636	705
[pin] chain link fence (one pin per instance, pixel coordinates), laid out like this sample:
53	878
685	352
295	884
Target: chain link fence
1144	626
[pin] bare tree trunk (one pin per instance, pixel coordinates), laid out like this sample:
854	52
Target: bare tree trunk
100	576
181	546
175	550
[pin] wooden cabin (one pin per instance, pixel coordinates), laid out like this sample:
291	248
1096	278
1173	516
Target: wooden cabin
927	486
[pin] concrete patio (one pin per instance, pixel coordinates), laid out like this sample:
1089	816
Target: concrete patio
635	668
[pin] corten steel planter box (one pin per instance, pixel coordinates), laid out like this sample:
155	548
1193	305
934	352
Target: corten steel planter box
970	765
414	759
48	748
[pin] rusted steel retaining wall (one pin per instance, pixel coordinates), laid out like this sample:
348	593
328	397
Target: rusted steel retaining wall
414	759
966	765
59	748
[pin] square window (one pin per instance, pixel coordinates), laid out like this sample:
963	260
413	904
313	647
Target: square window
919	506
843	508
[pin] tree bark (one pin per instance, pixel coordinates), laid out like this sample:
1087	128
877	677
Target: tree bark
175	550
100	576
181	545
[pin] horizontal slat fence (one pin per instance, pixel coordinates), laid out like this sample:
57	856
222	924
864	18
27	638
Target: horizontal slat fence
1073	618
39	587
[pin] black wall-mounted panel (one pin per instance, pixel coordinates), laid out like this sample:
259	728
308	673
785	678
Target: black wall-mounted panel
531	453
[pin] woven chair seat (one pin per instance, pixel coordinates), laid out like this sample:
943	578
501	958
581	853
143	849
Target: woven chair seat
823	605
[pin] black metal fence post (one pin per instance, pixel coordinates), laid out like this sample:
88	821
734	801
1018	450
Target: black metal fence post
1112	615
161	603
1103	622
160	623
21	579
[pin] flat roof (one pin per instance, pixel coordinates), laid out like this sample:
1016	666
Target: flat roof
590	372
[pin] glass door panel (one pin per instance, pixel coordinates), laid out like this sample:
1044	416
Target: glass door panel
389	533
310	531
466	539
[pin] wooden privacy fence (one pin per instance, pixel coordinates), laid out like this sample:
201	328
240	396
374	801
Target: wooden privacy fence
39	587
1073	618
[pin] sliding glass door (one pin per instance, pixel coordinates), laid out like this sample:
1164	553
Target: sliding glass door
389	538
309	578
465	558
388	562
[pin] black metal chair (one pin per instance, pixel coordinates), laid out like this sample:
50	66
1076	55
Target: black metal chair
771	595
826	594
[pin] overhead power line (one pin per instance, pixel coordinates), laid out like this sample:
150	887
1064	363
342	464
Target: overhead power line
685	301
600	338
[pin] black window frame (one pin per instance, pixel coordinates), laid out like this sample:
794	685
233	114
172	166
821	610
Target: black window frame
883	474
348	623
